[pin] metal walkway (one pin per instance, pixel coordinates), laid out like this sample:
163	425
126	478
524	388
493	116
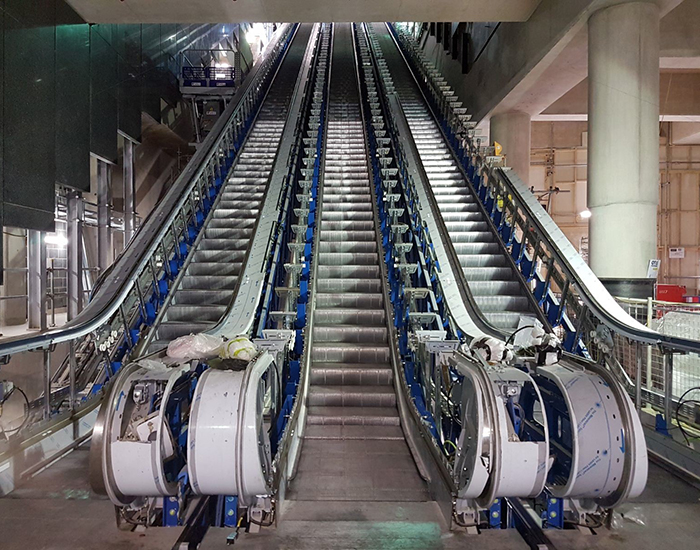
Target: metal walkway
354	447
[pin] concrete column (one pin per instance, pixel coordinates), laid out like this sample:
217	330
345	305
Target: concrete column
512	131
623	139
36	279
75	254
104	215
129	192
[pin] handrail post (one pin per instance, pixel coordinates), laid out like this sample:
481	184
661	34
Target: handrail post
638	377
74	276
668	387
650	317
36	287
47	383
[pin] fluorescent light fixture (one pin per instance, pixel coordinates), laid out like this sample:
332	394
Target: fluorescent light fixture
58	240
585	214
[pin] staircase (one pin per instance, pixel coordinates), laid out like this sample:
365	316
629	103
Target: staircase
354	448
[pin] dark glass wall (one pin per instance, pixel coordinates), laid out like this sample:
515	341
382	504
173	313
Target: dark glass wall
66	89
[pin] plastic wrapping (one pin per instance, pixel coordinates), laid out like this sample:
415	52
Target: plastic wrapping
628	514
528	334
492	350
194	346
240	348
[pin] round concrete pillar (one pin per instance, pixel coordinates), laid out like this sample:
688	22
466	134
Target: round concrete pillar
512	131
623	138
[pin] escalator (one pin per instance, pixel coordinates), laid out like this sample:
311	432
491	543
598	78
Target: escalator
493	281
354	447
211	273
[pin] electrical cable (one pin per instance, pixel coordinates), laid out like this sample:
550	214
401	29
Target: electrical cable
261	523
452	443
510	338
26	414
682	401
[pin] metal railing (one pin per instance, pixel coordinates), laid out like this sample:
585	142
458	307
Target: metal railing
132	292
576	304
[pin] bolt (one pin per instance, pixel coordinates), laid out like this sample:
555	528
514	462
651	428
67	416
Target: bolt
552	514
553	500
230	512
495	514
229	499
172	512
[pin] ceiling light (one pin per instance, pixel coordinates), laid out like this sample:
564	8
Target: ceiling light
585	214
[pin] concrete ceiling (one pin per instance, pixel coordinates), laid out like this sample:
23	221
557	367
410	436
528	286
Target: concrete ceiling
679	100
233	11
566	66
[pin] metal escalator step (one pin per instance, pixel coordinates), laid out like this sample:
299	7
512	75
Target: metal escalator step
348	272
462	216
350	207
460	207
328	235
158	345
347	246
170	330
492	288
355	416
504	304
350	334
351	396
223	244
241	195
351	373
483	260
466	226
470	237
350	316
199	313
477	248
338	216
487	273
349	432
213	268
363	300
201	296
347	258
219	255
348	225
238	207
503	320
245	233
355	353
209	282
231	223
348	285
354	198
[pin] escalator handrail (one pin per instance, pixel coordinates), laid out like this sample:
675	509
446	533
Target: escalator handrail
134	260
591	291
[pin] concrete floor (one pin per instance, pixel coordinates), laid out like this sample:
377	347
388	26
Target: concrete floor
57	510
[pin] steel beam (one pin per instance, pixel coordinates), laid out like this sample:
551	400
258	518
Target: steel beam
76	211
36	280
104	213
129	192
